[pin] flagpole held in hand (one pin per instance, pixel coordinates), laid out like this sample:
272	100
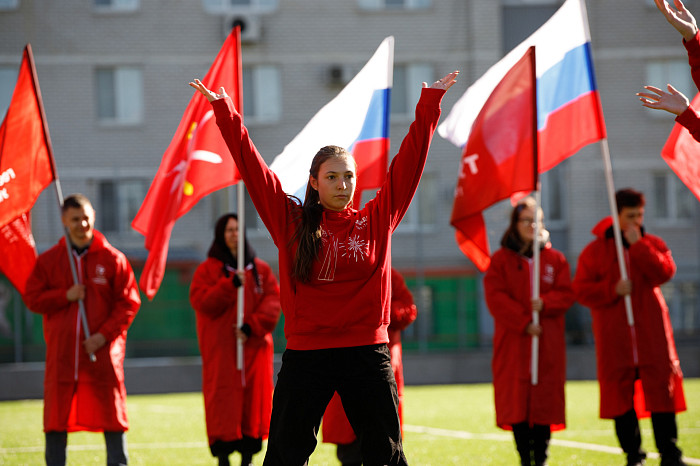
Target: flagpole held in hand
57	185
240	266
534	354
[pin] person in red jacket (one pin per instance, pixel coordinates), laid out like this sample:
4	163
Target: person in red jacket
532	412
237	406
81	395
674	101
334	266
638	360
336	428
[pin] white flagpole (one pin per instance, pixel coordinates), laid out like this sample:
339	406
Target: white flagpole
73	271
534	354
240	266
607	165
59	193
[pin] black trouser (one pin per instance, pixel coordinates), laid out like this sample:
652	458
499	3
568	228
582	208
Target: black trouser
665	435
364	380
56	443
349	454
532	443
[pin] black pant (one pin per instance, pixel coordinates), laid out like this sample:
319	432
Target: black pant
56	443
532	443
665	435
363	378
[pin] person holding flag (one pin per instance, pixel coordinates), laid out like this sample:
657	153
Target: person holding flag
638	367
335	265
79	394
674	101
237	405
531	411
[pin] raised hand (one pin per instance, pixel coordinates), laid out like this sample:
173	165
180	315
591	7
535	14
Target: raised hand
672	101
444	83
210	95
679	17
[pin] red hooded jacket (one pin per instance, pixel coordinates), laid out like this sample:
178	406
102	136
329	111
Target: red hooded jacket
649	265
79	394
231	409
507	288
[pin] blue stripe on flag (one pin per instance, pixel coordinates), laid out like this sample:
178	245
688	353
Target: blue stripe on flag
566	81
376	123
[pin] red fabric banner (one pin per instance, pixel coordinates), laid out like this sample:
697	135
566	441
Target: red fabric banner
196	163
498	159
25	170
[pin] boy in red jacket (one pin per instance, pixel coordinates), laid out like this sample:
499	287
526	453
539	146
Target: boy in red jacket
81	395
640	358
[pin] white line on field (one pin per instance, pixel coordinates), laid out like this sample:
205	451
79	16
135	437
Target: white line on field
461	434
508	438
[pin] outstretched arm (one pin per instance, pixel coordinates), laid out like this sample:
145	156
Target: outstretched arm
672	101
679	17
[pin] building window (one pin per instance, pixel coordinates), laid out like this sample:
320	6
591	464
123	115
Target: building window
673	201
262	102
9	5
8	80
523	17
119	201
117	6
552	195
659	73
406	88
421	214
119	95
239	6
393	4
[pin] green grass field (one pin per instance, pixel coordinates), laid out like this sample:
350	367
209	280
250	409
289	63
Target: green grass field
444	425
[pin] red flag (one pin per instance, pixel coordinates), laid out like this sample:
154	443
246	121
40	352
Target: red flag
499	157
681	154
196	163
26	168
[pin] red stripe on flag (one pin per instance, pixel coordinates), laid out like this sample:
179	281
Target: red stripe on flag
569	129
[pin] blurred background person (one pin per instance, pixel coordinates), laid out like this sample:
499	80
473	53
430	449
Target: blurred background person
532	412
237	405
79	394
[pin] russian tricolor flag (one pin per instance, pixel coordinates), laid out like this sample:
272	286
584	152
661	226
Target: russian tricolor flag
357	119
569	114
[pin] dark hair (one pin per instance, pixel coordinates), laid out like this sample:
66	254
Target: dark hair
76	201
628	197
511	238
220	251
308	232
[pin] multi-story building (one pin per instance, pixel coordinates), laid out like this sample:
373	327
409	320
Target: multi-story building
114	76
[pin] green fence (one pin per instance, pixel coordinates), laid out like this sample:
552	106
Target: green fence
166	326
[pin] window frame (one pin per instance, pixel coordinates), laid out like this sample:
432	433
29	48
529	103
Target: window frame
117	6
122	116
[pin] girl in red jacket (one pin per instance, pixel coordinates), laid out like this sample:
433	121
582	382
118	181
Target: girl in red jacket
335	266
237	414
530	411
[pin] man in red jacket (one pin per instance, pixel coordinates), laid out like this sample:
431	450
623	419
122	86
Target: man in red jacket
638	360
79	394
